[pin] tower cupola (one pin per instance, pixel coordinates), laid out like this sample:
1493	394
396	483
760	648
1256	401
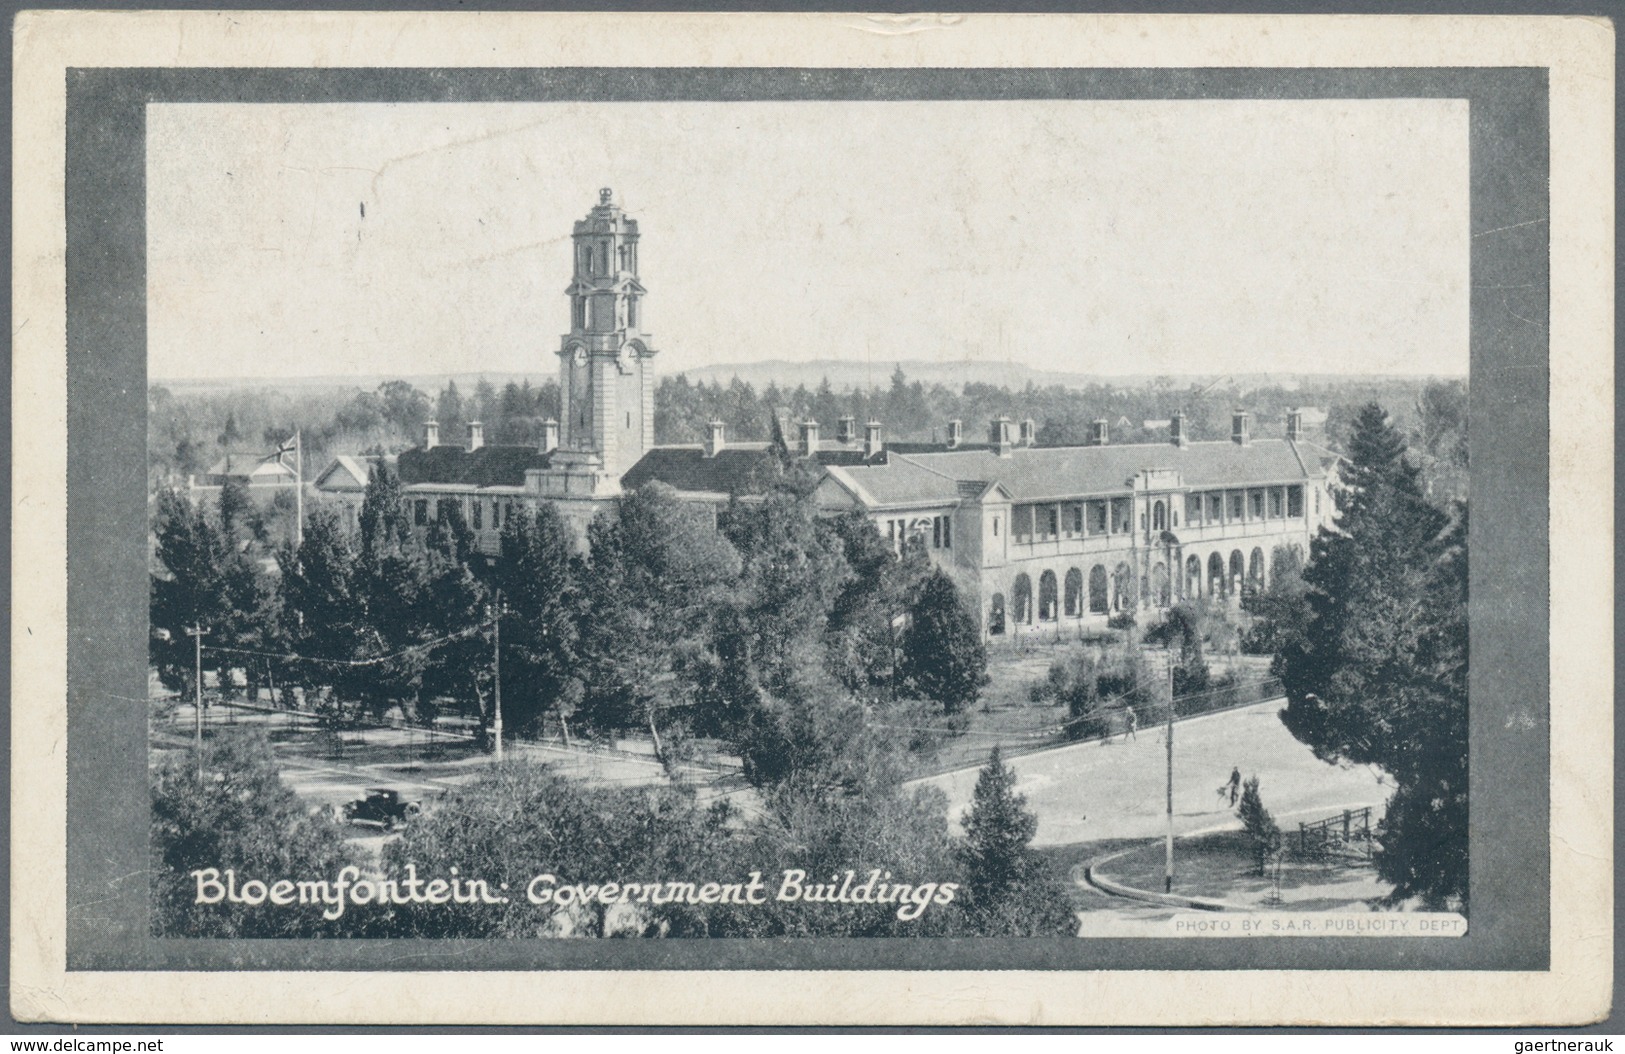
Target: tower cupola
606	360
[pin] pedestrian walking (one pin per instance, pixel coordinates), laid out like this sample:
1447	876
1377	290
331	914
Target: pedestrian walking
1235	785
1133	722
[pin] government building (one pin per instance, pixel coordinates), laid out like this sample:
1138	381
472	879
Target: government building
1041	536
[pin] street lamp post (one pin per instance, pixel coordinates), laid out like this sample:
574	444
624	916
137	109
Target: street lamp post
1168	870
196	633
496	674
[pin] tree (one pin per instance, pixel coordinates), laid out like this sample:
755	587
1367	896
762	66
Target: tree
206	582
943	657
1258	824
514	822
792	568
324	618
538	577
1011	890
1279	612
450	410
453	611
861	637
1183	624
1379	675
239	817
659	575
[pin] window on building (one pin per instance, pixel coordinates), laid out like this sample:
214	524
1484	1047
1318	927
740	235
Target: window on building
1294	502
1255	504
947	532
1052	521
479	515
1159	517
936	532
1122	515
632	311
1277	503
1074	519
420	512
995	526
1097	517
1215	508
1021	523
1236	502
578	312
1193	509
1317	501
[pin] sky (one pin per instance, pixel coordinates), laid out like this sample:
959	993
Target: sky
1177	237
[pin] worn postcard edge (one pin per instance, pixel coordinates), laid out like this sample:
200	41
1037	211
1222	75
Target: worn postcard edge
1578	52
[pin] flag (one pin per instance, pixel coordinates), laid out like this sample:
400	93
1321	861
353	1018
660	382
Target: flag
287	446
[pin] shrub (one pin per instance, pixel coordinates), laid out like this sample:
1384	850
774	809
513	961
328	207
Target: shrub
1257	822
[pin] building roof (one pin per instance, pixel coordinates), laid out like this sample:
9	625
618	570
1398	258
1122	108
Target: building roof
489	466
899	481
347	472
1035	473
739	468
242	466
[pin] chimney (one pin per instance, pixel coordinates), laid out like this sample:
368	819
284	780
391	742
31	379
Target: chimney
846	431
956	433
1097	436
1294	424
550	436
713	438
809	437
1029	432
871	439
1238	428
1177	432
476	436
999	436
431	435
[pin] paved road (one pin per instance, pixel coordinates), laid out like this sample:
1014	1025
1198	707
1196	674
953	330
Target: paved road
1094	791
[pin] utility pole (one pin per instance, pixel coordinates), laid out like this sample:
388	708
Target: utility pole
196	633
496	668
298	490
1168	872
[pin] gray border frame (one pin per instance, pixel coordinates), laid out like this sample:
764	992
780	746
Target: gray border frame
107	510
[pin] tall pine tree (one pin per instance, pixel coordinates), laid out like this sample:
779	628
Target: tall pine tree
1011	890
1378	675
943	656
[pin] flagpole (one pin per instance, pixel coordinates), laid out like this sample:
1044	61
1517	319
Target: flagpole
299	490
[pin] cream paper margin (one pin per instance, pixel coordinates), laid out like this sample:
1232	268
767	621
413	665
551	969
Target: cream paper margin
1579	55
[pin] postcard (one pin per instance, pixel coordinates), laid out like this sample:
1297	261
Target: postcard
900	520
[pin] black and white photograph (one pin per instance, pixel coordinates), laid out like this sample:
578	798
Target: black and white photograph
808	517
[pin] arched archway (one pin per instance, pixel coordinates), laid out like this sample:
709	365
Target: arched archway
1256	569
1238	571
1074	593
1021	600
1159	517
1048	606
1099	593
1215	576
1123	588
1160	592
1193	576
995	614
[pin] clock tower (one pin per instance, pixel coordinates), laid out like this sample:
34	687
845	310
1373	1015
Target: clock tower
606	361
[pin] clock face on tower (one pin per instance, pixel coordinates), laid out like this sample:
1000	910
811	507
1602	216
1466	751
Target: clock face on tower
628	358
580	355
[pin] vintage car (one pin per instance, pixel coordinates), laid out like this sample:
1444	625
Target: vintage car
383	807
